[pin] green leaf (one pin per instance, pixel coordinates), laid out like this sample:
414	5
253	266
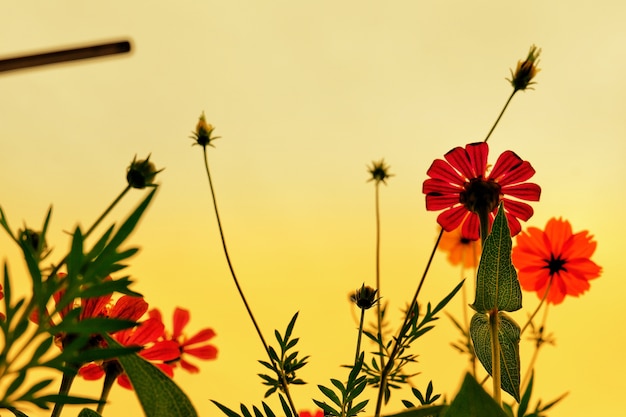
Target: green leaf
523	405
226	410
509	337
158	394
87	412
497	287
427	411
473	401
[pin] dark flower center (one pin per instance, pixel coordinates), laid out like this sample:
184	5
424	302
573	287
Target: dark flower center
480	195
555	265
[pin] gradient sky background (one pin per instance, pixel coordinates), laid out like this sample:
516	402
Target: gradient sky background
305	95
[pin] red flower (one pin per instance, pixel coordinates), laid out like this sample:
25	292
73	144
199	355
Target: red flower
462	187
146	335
318	413
555	258
194	345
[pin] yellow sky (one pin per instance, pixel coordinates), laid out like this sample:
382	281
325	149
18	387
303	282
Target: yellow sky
305	95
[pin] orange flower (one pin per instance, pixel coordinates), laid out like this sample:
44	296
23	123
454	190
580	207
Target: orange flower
555	260
459	249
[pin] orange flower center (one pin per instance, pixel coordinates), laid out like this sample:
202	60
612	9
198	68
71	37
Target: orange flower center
480	195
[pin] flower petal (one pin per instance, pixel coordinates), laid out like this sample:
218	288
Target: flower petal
206	352
129	308
525	191
202	336
452	218
441	170
436	202
181	318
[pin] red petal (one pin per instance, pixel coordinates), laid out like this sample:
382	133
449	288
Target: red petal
181	318
437	186
442	170
130	308
166	350
464	161
506	162
471	227
91	372
202	336
189	367
124	381
518	209
436	202
203	352
478	153
525	191
147	332
452	218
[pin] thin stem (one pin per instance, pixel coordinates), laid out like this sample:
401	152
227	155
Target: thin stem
358	345
283	380
379	310
64	389
543	299
398	341
500	115
494	324
538	345
113	370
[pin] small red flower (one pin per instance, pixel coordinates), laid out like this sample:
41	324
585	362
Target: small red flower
461	187
555	258
194	346
318	413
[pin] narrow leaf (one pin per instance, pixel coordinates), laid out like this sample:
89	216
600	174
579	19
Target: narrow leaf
473	401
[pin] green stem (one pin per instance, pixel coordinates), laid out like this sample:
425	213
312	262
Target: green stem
398	341
494	324
66	383
358	345
113	369
283	380
500	115
379	309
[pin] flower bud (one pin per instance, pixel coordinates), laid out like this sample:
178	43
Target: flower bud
526	70
141	173
202	134
364	297
379	171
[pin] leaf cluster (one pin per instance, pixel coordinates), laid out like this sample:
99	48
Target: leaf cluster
342	403
285	364
523	408
266	412
396	357
28	346
424	399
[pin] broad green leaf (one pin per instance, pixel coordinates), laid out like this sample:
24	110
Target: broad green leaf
509	337
497	286
158	394
473	401
226	410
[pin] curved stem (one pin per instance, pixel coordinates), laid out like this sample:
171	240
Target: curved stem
66	383
358	345
281	375
398	341
500	115
494	325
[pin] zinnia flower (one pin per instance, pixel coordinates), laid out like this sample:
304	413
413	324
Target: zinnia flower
195	345
555	258
462	187
460	250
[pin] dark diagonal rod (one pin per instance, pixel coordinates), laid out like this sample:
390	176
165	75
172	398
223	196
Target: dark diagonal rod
65	55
